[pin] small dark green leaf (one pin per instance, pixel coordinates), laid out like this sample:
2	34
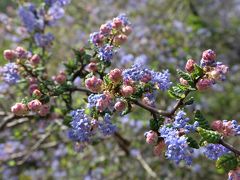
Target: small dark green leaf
227	162
192	143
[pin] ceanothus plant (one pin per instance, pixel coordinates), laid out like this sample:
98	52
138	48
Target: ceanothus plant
113	91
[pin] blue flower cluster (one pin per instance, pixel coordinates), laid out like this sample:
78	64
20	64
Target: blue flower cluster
177	146
106	53
137	73
214	151
9	73
35	20
181	121
103	40
235	127
83	127
106	127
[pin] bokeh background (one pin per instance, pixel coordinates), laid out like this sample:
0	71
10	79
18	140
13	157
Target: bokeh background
165	34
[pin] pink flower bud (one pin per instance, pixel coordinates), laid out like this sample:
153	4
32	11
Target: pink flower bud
146	78
34	105
208	55
32	87
19	109
215	74
21	53
32	80
9	55
92	67
120	39
35	59
127	30
151	137
217	125
183	82
36	93
102	104
105	29
61	78
234	174
120	106
190	65
44	110
158	149
203	84
127	91
117	23
115	75
94	84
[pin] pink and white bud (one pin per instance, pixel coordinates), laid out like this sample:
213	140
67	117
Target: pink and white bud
117	23
146	78
44	110
127	91
9	55
204	84
21	53
158	149
228	129
19	109
61	78
183	82
115	75
151	137
32	87
92	67
208	55
94	84
120	106
35	59
36	93
94	124
217	125
234	174
120	39
127	30
32	80
105	29
189	67
34	105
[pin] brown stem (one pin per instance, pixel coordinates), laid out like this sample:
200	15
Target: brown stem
230	147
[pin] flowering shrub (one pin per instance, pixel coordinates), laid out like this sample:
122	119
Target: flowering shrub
110	92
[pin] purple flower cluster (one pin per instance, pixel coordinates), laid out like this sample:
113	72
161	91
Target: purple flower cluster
181	121
81	126
35	20
137	73
111	34
43	40
177	146
10	73
106	127
106	53
214	151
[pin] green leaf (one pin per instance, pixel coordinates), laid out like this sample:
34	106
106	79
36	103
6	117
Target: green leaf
197	73
192	142
127	110
67	120
202	121
175	95
189	101
227	162
209	136
187	77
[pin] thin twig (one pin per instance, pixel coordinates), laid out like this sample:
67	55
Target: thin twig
230	147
